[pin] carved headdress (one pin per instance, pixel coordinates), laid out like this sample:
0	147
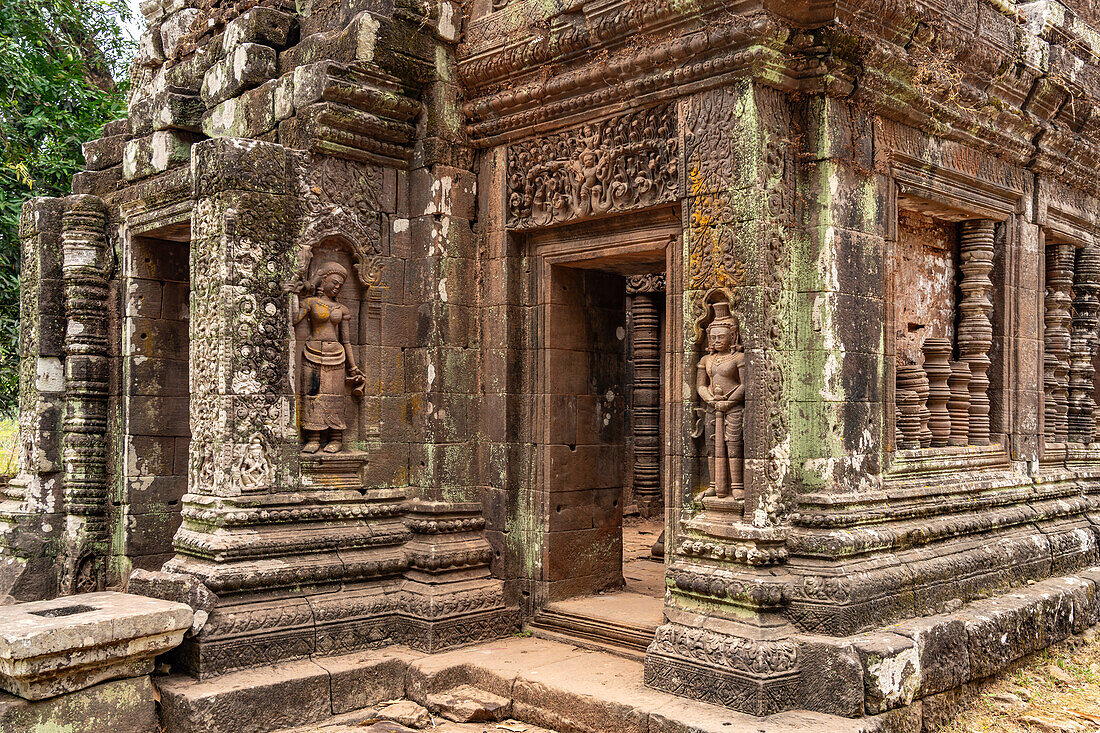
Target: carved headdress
328	268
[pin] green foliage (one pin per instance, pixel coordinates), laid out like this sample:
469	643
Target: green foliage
59	60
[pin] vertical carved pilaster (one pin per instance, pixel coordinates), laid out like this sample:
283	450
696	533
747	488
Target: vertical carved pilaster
84	265
975	328
1086	308
31	516
1056	340
645	290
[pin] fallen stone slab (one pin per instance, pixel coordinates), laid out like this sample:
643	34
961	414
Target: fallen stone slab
468	704
49	648
119	705
407	713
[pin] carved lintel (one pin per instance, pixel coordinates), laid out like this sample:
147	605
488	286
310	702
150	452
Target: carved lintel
623	163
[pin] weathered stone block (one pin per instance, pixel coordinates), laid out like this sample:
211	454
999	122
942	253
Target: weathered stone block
942	651
250	64
365	679
266	26
250	115
240	702
52	647
97	183
891	670
156	153
119	705
836	685
174	27
105	152
999	630
177	111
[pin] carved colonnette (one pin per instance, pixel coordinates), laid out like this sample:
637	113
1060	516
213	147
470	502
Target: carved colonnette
646	294
63	465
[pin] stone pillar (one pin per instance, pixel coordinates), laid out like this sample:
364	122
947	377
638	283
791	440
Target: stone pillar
269	530
975	336
725	640
645	292
85	269
1056	341
31	518
1086	309
451	595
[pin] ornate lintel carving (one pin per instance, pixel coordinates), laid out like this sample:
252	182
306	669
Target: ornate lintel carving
622	163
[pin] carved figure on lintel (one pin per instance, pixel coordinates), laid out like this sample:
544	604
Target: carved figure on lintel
329	372
720	381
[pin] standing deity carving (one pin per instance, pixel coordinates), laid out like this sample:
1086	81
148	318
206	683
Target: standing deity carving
720	382
329	372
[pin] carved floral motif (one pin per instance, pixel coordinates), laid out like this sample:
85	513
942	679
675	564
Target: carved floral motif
626	162
746	655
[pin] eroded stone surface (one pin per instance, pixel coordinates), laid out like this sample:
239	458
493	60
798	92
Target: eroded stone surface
48	648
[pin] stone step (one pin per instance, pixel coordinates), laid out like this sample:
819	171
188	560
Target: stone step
554	686
617	623
624	640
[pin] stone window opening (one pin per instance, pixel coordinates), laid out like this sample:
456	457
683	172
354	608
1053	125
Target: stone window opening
1071	285
945	385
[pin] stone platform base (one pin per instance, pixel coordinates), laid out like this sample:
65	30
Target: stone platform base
910	677
119	705
556	686
920	670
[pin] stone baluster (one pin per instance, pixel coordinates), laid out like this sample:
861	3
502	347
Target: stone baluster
937	351
912	377
958	404
1086	308
1056	340
645	292
975	328
909	419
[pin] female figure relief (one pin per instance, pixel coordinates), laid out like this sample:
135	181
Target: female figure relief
328	363
720	381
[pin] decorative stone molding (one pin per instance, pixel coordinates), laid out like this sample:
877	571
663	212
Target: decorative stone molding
627	162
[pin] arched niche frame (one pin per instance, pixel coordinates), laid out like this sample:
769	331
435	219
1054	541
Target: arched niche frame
339	237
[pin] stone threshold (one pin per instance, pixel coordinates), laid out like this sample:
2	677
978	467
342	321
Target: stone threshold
549	684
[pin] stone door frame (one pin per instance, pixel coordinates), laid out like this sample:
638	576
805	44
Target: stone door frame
604	244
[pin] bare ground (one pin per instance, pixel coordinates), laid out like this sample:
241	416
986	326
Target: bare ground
1054	691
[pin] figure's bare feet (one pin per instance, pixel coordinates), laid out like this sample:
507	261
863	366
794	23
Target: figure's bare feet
334	446
312	446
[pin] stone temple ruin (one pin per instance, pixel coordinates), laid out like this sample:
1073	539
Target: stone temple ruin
364	327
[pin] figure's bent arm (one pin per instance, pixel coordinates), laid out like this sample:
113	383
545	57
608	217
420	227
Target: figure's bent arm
701	381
